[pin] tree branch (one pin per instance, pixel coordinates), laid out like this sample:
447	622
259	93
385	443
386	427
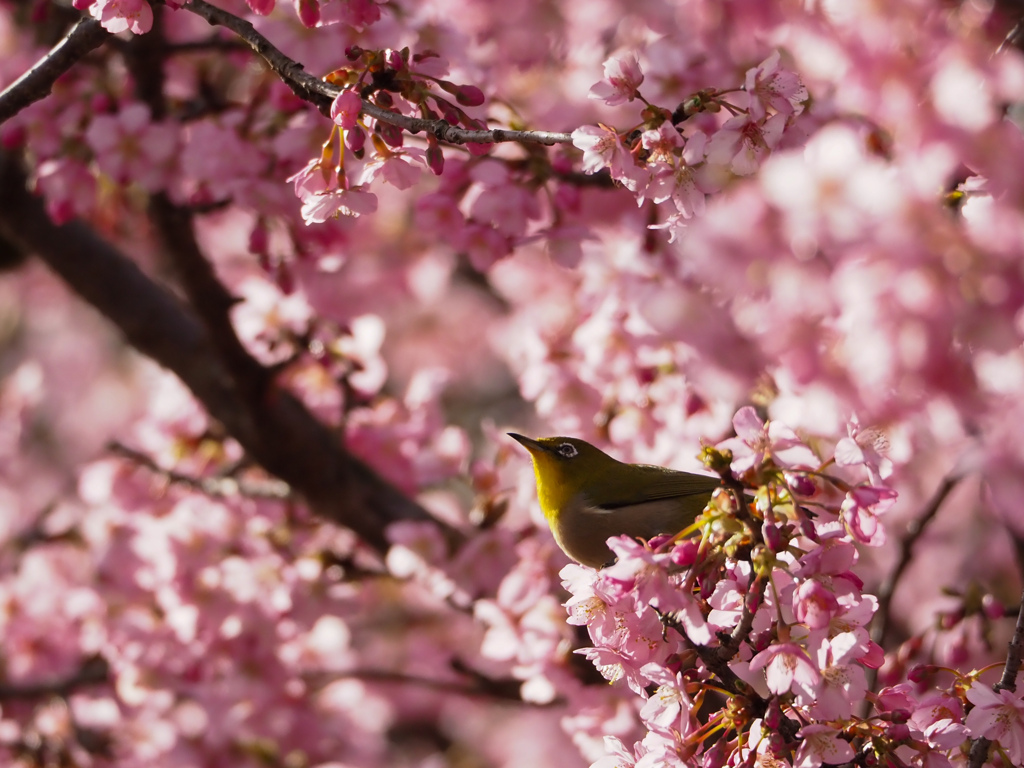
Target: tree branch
751	602
217	487
915	529
35	84
321	94
1008	682
283	436
92	670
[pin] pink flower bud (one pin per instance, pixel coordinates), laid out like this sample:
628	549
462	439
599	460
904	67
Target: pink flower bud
353	52
772	537
355	138
392	135
394	59
993	608
13	137
261	7
685	553
899	732
469	96
801	484
807	528
258	238
435	157
717	756
309	12
345	109
919	673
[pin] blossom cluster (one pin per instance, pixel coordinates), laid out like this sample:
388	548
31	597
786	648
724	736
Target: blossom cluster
682	155
815	207
751	644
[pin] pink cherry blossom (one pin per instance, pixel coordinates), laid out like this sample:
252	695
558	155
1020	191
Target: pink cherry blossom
813	604
356	201
771	86
757	440
622	77
602	148
618	756
998	716
843	681
400	168
787	667
861	510
819	745
832	235
130	147
122	15
345	109
867	447
742	143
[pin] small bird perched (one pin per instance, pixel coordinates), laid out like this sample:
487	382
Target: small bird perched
587	496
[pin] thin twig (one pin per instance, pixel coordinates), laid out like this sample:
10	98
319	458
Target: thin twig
321	94
442	130
286	439
915	529
92	670
752	601
37	82
481	687
217	487
1008	682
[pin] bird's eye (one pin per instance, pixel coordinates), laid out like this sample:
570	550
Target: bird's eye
568	450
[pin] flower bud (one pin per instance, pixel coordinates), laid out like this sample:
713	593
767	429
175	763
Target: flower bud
993	608
715	459
919	673
435	156
801	484
391	134
773	537
469	96
355	138
309	12
685	553
259	240
394	59
899	732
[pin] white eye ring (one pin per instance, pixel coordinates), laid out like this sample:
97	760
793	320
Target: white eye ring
568	450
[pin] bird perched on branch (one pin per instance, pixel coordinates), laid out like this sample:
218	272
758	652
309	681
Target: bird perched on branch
587	496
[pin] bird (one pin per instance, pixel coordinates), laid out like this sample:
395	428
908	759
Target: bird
587	496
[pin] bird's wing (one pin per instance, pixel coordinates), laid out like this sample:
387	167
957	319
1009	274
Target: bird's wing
661	484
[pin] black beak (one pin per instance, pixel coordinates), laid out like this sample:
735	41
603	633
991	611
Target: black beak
527	442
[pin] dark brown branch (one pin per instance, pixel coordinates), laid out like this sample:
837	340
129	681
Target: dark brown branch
1008	682
478	687
321	94
880	629
210	300
93	670
218	487
303	84
35	84
284	437
442	130
752	601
